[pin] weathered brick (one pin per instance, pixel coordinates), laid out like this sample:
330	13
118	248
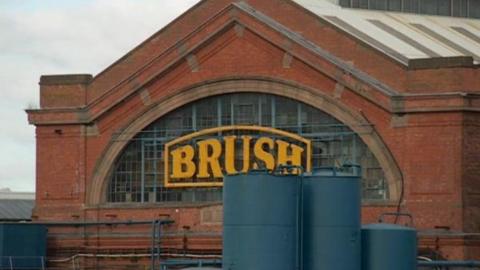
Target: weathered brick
431	137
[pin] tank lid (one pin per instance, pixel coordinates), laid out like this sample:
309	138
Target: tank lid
201	268
387	226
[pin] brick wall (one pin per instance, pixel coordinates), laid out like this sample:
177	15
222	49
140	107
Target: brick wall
435	145
471	177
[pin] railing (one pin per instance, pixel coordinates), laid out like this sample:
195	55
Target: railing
215	264
154	256
448	265
22	262
38	263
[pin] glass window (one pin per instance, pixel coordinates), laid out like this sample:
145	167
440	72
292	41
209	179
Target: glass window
364	3
410	6
378	4
206	115
474	8
287	115
459	8
138	172
394	5
444	7
345	3
428	7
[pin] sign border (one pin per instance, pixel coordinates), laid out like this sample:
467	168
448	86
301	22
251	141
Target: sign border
190	136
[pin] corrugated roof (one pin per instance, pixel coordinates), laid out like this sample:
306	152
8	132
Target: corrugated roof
13	210
404	36
12	195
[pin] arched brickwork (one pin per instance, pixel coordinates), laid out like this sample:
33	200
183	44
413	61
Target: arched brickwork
96	192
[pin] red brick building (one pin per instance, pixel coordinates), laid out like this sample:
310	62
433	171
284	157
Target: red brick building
398	94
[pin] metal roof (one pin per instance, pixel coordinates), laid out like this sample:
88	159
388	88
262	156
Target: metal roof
7	194
15	210
404	36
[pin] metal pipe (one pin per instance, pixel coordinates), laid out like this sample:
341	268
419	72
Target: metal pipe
97	223
298	236
142	176
444	233
449	263
158	249
191	262
301	222
154	227
137	255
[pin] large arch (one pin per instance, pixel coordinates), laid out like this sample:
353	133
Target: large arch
96	191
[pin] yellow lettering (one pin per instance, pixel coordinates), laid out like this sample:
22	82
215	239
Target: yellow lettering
295	158
263	155
199	164
246	153
209	153
230	154
182	160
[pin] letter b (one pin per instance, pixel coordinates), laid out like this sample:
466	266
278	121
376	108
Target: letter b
182	162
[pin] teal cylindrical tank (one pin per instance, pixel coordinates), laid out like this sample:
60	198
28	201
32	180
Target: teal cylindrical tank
22	245
388	246
331	222
260	222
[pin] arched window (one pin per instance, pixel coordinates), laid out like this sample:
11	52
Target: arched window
137	175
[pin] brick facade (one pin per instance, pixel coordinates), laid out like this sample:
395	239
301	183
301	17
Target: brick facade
423	122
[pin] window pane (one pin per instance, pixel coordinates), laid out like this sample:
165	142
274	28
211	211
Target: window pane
226	109
444	8
286	116
378	4
474	8
459	8
245	110
410	6
395	5
206	115
364	3
139	169
429	7
345	3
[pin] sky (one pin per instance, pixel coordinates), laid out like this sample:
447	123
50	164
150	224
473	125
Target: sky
41	37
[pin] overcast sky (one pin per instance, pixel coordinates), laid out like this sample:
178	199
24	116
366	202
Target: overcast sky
60	37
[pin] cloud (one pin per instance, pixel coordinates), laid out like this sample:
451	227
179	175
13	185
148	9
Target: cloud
52	37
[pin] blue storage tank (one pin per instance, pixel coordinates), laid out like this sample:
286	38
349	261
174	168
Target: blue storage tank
388	246
22	245
260	222
331	221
